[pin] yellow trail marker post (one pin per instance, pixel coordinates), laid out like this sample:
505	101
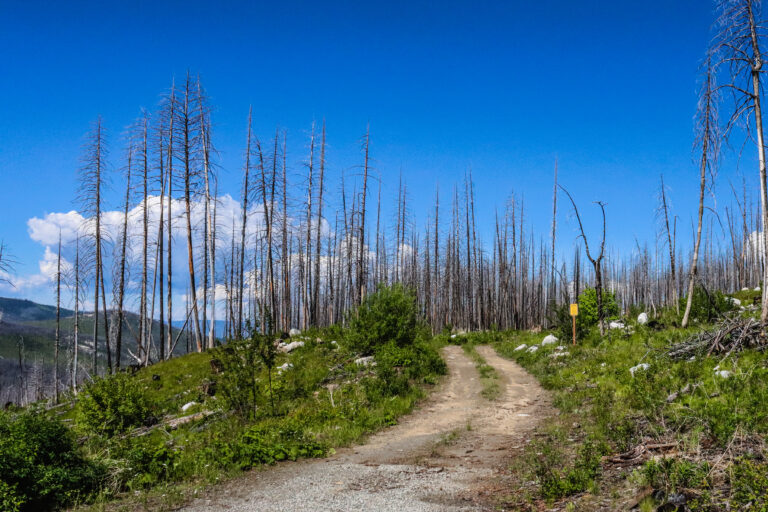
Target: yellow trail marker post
574	314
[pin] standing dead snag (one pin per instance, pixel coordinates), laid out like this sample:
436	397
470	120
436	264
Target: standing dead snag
122	263
91	184
737	47
596	262
670	232
58	325
189	126
361	275
709	140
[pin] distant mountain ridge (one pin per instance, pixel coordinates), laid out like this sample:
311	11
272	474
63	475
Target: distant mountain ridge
23	310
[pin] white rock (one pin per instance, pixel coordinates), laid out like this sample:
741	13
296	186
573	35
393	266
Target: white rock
559	354
533	349
757	288
453	336
290	347
602	365
294	332
283	367
745	289
642	318
521	347
692	358
550	339
365	361
187	406
641	366
723	374
616	325
334	342
560	347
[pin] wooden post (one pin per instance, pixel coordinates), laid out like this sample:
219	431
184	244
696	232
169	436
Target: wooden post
574	314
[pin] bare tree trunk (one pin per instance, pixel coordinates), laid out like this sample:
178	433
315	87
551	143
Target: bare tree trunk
187	127
670	246
76	348
361	275
144	330
58	326
596	262
124	244
92	178
246	193
318	241
708	140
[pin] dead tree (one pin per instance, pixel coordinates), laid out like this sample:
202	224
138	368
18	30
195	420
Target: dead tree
361	275
92	175
670	235
241	264
6	264
552	286
596	262
189	127
738	49
122	263
144	156
318	241
210	226
708	140
76	341
58	325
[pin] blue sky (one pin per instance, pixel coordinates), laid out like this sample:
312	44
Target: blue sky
502	88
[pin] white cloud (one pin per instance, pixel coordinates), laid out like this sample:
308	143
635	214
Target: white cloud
46	230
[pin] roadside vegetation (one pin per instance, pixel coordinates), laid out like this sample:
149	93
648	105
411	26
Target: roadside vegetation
641	426
157	435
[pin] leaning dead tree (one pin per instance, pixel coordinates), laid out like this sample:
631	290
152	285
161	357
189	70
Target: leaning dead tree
738	49
596	262
708	140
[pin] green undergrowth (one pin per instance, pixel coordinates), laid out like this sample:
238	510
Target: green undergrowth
243	408
489	377
606	409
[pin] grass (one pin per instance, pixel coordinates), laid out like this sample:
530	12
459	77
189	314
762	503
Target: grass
605	409
167	466
489	377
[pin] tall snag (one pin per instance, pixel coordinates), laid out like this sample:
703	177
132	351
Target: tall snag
738	50
596	262
708	140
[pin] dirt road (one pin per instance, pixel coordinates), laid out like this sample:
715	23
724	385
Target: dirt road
442	457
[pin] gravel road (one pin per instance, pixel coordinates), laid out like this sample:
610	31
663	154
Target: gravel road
447	455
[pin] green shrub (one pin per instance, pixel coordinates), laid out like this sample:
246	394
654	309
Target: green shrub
749	484
149	460
41	466
562	323
388	315
239	383
558	480
270	443
114	404
670	475
588	307
705	306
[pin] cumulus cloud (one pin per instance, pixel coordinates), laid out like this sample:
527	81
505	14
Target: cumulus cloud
45	276
46	230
